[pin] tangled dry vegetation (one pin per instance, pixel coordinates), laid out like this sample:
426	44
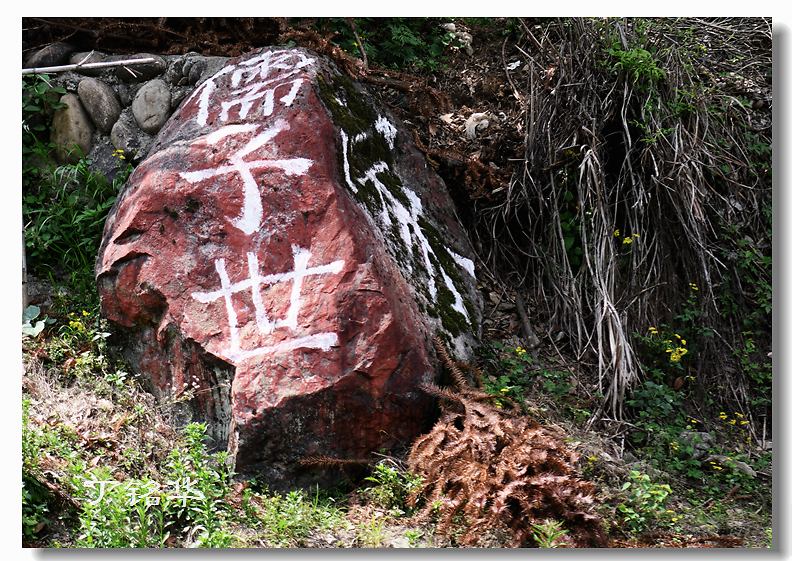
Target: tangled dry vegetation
499	469
668	155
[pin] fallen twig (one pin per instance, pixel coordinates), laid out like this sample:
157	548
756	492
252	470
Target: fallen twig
66	68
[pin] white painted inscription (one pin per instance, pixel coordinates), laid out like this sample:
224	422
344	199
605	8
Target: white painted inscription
407	217
252	213
254	82
254	283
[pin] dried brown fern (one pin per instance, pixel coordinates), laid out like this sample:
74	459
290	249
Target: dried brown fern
323	461
498	470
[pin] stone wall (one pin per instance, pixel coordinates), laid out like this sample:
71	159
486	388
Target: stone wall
118	108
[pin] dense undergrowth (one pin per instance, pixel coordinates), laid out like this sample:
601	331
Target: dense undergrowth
514	461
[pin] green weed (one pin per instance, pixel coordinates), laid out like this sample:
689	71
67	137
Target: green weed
393	42
549	534
645	503
289	519
392	488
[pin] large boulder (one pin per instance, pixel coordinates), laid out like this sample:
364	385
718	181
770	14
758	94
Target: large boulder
279	264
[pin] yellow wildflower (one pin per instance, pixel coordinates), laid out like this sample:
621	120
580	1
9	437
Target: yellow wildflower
627	240
616	233
740	415
636	236
504	390
85	313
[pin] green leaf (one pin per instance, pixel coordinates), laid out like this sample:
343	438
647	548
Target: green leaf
30	314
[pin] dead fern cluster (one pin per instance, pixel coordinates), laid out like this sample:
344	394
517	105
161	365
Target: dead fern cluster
499	470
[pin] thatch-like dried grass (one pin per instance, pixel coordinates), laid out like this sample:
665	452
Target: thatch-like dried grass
637	185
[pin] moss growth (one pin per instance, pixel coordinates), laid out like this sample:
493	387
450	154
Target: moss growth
343	114
453	321
369	196
471	314
355	117
394	185
448	263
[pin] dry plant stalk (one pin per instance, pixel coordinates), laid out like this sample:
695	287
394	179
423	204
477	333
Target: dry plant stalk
669	163
499	470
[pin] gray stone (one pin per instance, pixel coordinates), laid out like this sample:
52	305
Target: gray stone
196	71
105	160
151	106
71	126
126	136
725	461
51	55
141	72
100	102
175	73
77	58
126	93
701	442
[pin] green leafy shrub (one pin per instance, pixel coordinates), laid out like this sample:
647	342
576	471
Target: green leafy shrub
645	503
65	215
393	42
515	372
289	519
63	207
393	487
189	501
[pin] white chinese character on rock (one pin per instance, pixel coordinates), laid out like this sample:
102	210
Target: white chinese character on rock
263	75
252	213
265	325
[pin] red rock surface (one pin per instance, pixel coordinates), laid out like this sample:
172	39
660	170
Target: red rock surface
252	268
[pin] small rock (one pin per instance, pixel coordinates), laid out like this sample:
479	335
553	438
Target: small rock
105	161
151	106
725	461
141	72
701	442
126	93
51	55
126	136
175	73
477	121
196	71
399	542
71	126
100	102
